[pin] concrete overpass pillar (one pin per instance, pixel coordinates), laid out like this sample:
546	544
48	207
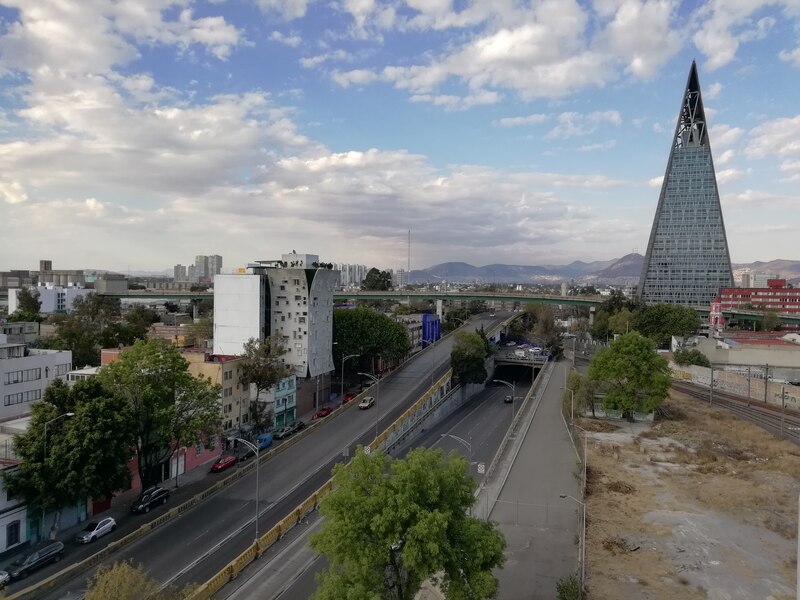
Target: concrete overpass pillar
591	315
440	308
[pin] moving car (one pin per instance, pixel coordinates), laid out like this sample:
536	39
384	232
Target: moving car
224	462
349	396
322	413
35	559
366	402
508	399
96	529
149	498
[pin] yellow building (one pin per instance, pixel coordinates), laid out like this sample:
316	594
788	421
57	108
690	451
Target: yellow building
226	371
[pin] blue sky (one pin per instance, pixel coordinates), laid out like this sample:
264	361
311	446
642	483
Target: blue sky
136	134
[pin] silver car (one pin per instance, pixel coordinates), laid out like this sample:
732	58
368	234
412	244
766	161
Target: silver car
96	529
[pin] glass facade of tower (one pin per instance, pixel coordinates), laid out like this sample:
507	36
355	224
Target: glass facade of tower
687	260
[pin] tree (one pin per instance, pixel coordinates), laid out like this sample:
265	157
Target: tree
377	280
600	329
632	375
660	322
771	321
691	357
455	318
93	323
620	322
467	359
167	405
28	306
263	366
83	460
411	524
123	581
138	321
367	334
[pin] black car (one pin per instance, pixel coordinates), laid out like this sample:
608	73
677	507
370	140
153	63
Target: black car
149	498
244	452
35	559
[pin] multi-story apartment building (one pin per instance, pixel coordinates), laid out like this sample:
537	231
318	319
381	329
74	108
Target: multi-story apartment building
400	278
179	272
25	374
351	276
214	266
291	298
201	267
777	297
225	371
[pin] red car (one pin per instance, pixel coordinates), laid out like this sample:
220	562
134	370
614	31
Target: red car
322	412
224	462
349	396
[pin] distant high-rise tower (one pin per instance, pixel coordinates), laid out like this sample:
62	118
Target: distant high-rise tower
201	267
687	260
214	265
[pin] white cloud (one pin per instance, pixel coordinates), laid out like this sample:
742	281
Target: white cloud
290	40
656	181
288	9
534	119
12	192
724	158
727	175
354	77
571	124
724	136
779	137
712	91
314	61
596	147
792	56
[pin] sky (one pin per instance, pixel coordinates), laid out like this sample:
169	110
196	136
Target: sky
136	134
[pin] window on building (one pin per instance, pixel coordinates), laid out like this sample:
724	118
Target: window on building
12	534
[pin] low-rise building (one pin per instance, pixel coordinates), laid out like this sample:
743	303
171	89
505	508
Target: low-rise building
227	372
53	298
776	297
20	332
25	373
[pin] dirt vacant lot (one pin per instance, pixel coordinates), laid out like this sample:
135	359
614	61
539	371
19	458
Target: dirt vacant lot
703	505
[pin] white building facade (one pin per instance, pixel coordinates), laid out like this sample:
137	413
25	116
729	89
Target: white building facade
54	298
26	373
291	298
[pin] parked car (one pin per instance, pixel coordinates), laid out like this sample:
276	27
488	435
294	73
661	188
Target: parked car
149	498
5	579
224	462
322	413
288	430
96	529
366	402
349	396
35	559
264	441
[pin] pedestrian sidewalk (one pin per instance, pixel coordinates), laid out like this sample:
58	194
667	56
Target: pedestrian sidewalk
523	496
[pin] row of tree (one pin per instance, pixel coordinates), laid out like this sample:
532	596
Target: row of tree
80	439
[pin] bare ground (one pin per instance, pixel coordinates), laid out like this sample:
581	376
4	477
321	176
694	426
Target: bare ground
701	506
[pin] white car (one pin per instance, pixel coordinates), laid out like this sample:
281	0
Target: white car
366	402
96	529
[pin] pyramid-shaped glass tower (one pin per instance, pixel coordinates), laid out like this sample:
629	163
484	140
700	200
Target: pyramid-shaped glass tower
687	259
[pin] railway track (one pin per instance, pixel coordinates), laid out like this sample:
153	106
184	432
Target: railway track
780	422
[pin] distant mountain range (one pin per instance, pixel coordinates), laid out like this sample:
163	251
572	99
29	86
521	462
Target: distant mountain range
620	271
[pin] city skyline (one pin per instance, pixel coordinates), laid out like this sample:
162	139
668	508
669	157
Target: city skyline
495	133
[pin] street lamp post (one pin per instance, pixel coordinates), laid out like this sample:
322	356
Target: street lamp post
254	448
583	536
466	444
344	359
66	415
377	383
513	386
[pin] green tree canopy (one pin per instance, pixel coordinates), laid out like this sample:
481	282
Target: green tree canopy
368	334
771	321
28	305
660	322
167	405
263	366
123	581
692	356
467	359
391	524
377	280
621	322
632	375
455	318
87	454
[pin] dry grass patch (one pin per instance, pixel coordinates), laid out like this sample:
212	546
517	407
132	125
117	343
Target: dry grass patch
596	425
620	487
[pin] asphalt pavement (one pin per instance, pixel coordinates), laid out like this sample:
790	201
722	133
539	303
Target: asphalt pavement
205	538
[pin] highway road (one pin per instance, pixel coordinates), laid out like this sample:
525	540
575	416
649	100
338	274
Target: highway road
482	422
204	539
